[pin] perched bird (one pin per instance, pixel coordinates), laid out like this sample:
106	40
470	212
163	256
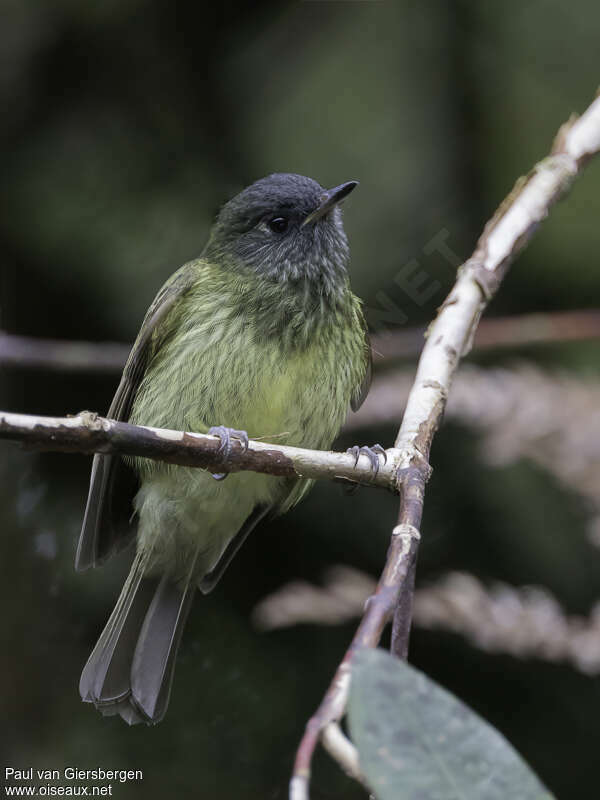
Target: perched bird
259	337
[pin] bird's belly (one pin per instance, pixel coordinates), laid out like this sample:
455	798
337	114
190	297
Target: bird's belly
185	515
187	518
249	385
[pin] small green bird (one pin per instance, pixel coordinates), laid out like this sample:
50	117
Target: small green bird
260	337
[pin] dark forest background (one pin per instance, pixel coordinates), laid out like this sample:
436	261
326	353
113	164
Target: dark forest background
125	125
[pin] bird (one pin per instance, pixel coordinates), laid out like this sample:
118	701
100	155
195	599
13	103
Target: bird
261	336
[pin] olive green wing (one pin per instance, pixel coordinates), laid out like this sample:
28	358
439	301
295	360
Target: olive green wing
106	527
362	390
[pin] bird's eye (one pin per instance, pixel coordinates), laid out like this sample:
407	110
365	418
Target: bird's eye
278	224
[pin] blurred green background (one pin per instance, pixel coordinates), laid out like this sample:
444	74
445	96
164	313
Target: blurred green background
125	125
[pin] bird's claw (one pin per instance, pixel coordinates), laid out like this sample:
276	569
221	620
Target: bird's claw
226	435
372	453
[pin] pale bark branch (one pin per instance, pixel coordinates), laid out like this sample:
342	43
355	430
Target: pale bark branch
89	433
449	338
520	412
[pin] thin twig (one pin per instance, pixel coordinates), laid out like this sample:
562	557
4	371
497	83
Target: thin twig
89	433
341	748
379	609
449	338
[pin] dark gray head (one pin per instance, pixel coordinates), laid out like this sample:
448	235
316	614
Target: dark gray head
285	227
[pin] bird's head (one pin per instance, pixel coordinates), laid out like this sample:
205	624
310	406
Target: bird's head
287	228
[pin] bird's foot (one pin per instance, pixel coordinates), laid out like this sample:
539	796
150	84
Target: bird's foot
372	453
224	450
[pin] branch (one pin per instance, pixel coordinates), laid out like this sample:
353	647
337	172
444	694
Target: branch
449	337
89	433
60	355
521	412
344	752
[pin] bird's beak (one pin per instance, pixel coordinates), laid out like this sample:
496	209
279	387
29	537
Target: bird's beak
329	199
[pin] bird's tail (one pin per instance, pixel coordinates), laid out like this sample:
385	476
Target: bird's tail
130	670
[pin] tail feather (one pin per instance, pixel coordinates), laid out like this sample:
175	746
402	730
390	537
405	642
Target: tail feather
130	670
154	659
105	678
